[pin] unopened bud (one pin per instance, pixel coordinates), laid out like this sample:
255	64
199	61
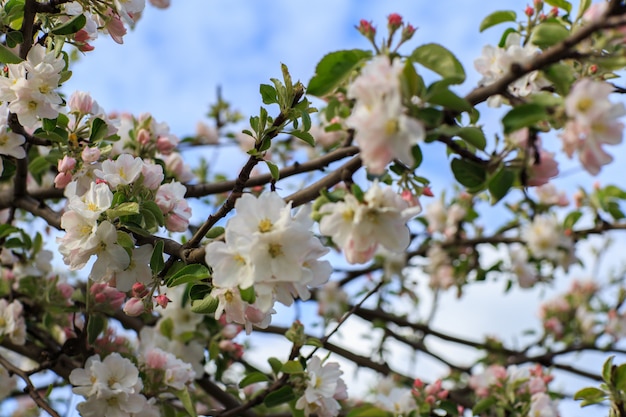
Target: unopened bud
139	290
366	29
394	21
529	11
162	300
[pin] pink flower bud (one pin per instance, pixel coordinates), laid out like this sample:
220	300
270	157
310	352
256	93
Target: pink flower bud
394	21
134	307
408	32
152	175
554	12
166	144
62	179
89	155
66	164
81	102
162	300
418	383
139	290
366	29
230	331
529	11
143	137
427	191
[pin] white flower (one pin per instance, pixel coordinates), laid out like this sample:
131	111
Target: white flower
12	321
114	380
541	405
94	202
111	256
324	386
358	228
382	130
11	143
593	122
545	239
526	275
399	401
268	248
177	374
123	171
137	271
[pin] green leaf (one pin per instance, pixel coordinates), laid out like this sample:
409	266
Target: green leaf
166	327
367	411
524	115
582	8
38	165
71	26
561	4
334	69
95	326
207	305
468	173
496	18
185	399
606	370
440	60
620	377
152	207
547	34
274	171
14	38
253	378
500	184
268	94
8	57
215	232
305	136
483	405
156	260
282	395
6	230
248	295
416	152
199	291
99	130
292	367
590	395
411	82
571	219
125	209
438	93
188	273
275	364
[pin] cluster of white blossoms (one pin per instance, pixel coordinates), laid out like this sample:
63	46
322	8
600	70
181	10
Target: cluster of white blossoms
324	387
545	239
30	86
359	227
592	123
382	129
495	62
269	249
89	231
111	386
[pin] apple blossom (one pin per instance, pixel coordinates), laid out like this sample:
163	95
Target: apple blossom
358	228
324	383
383	131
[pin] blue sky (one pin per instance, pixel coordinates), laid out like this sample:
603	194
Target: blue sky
173	62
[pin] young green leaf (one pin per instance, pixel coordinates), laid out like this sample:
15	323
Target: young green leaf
496	18
334	69
440	60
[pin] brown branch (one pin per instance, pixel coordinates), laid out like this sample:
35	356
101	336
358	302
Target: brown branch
30	388
312	191
202	190
226	399
562	50
39	209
